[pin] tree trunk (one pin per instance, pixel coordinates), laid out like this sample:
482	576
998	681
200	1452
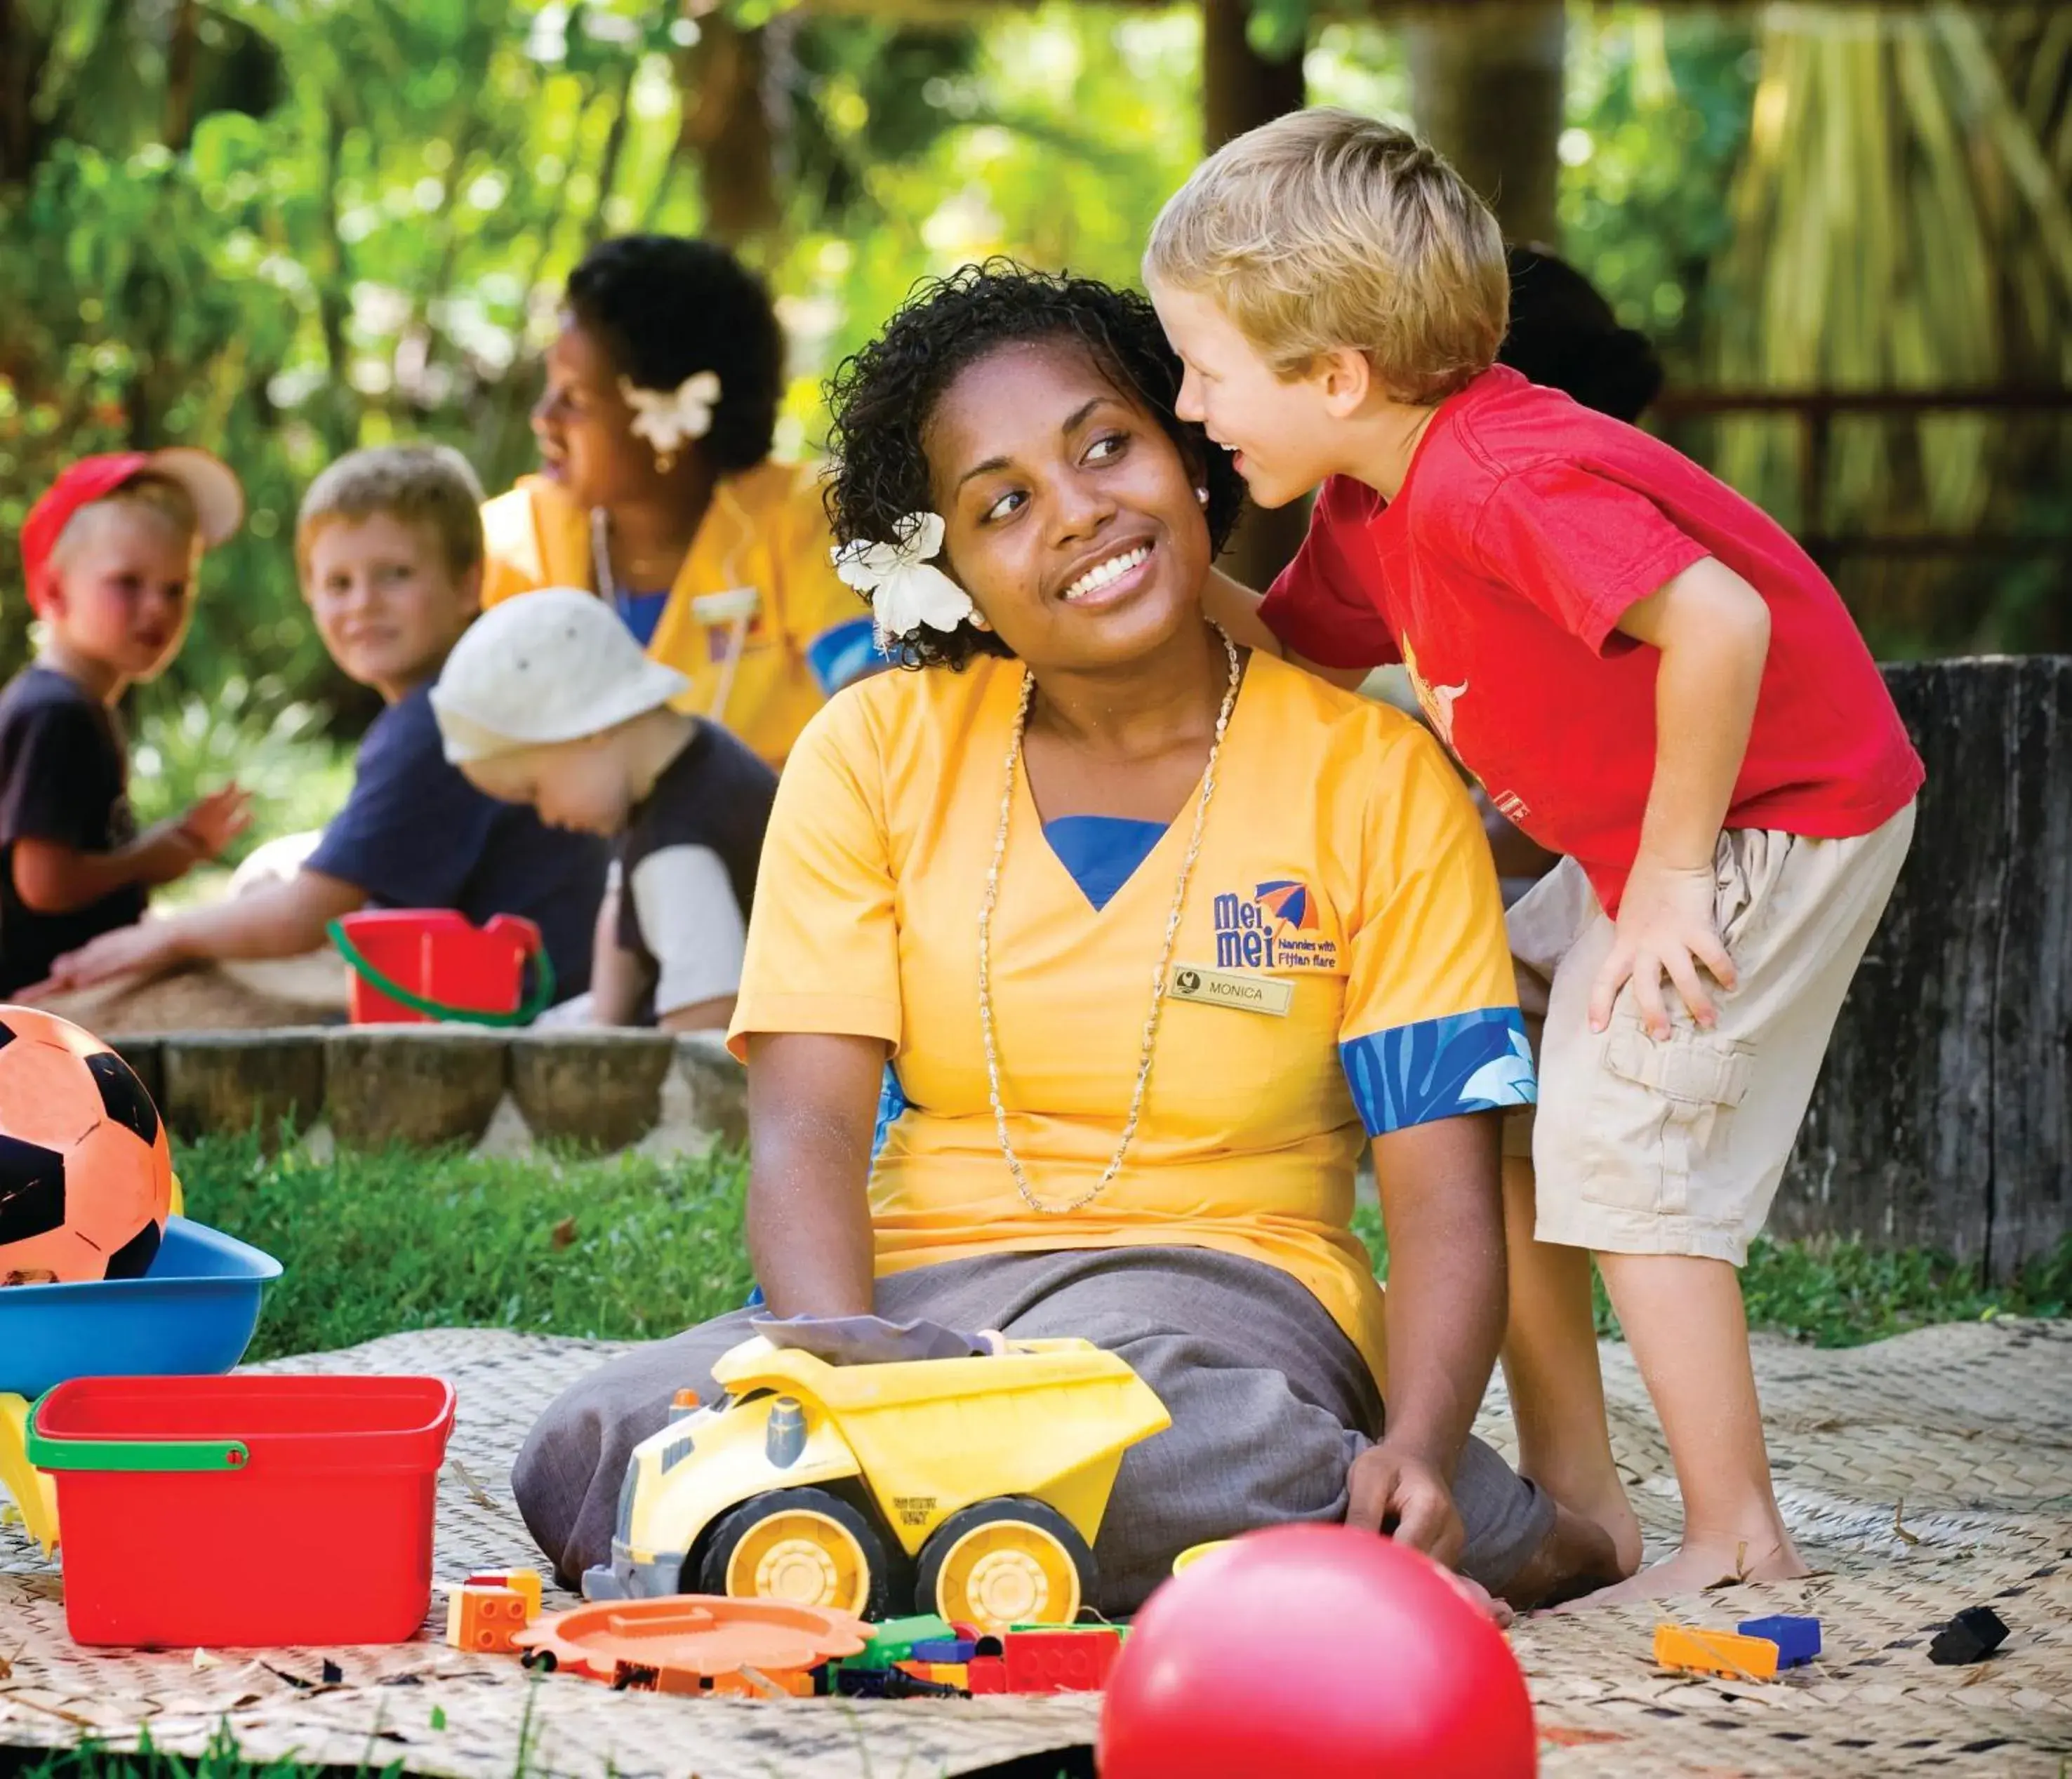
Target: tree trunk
614	146
1485	81
1241	89
726	126
177	129
22	56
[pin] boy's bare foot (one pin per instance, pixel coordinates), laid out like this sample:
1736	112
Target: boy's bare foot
1696	1567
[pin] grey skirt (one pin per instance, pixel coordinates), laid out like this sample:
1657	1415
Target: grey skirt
1270	1404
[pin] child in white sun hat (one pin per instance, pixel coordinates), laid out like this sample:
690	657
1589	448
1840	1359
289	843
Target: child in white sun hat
548	701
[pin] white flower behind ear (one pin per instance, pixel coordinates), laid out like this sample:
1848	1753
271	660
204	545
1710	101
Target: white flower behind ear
906	592
667	418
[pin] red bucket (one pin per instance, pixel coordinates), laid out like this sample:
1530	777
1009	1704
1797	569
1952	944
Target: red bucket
244	1511
411	966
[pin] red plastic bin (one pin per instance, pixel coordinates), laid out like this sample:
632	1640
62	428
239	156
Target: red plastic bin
244	1511
413	965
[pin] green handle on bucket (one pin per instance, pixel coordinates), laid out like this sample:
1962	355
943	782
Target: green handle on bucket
542	997
134	1455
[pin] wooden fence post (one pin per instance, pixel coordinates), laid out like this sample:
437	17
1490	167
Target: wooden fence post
1943	1115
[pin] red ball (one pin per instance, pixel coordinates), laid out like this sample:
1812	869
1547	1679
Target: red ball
1317	1650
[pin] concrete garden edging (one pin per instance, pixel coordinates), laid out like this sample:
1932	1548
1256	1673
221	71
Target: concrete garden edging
367	1087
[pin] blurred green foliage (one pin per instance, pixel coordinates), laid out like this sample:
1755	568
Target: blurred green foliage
1658	114
281	228
297	774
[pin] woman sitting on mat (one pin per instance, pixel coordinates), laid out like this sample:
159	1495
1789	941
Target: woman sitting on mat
1148	928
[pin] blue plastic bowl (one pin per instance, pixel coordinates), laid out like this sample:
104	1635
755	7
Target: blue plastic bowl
191	1315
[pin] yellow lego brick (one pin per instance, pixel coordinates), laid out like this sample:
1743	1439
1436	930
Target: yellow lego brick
525	1582
951	1673
1727	1654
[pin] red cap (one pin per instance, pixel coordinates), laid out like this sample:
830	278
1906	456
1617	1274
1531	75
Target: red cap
218	499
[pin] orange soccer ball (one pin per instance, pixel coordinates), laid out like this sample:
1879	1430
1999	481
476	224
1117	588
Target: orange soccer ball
86	1176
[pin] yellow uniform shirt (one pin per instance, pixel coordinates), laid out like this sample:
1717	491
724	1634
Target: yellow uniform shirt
805	635
1343	873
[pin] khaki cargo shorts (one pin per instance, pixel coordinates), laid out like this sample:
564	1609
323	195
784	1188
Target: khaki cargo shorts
1677	1147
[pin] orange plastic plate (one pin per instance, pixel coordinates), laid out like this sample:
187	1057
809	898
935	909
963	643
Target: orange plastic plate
696	1635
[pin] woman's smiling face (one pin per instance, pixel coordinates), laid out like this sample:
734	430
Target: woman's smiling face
1071	516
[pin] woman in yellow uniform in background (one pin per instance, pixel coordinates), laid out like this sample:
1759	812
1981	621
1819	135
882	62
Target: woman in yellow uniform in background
656	491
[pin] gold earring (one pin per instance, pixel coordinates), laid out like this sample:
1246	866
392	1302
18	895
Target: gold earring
665	462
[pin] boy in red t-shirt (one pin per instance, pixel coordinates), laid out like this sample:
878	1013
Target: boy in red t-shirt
1648	676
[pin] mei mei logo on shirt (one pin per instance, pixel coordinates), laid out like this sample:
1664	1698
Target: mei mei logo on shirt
1274	928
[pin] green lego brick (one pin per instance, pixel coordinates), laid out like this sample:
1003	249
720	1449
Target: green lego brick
893	1642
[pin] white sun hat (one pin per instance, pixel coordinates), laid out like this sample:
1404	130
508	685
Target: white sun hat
553	665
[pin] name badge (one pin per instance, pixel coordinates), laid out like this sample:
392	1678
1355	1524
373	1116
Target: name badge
1248	994
735	605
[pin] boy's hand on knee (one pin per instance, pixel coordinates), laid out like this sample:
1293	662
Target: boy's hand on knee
1404	1495
1665	924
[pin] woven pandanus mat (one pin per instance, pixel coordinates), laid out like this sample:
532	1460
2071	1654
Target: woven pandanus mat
1920	1475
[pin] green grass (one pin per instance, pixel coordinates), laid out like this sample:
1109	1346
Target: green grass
1830	1292
626	1248
221	1760
621	1248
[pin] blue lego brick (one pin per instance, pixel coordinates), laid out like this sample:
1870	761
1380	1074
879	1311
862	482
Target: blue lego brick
944	1649
1797	1639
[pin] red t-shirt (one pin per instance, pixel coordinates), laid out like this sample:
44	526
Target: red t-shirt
1525	528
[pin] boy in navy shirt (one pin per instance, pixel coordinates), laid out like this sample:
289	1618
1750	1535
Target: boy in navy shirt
110	554
390	548
548	701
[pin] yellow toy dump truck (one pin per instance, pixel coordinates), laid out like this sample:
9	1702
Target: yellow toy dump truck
972	1488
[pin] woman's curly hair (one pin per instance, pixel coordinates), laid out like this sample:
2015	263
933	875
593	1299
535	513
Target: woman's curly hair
667	307
883	397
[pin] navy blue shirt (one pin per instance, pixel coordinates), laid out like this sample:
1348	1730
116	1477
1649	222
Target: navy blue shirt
415	834
64	777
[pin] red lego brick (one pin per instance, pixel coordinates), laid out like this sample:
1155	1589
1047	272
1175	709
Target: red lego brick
1046	1662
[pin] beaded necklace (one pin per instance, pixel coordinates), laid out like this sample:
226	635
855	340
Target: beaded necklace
991	898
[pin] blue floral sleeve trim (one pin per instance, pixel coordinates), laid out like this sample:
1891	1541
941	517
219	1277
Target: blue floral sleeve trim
845	652
891	1102
1439	1068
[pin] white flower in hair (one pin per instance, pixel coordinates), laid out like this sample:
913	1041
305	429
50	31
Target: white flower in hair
667	418
905	591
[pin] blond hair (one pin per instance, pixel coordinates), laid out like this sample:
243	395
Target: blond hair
1324	229
428	485
157	494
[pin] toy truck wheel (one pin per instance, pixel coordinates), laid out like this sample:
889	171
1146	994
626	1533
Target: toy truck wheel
1004	1563
803	1545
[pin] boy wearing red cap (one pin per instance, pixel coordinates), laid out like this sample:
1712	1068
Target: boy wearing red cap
110	554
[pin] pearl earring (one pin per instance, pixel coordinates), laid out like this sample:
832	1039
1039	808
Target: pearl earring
1202	494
